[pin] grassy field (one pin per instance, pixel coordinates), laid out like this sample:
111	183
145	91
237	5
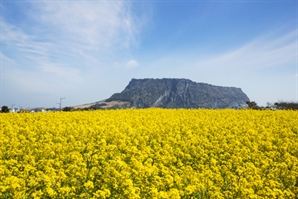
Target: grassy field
149	153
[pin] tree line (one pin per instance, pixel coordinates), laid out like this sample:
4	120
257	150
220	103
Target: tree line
281	105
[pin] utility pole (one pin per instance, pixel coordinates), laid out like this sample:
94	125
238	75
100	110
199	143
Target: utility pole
61	102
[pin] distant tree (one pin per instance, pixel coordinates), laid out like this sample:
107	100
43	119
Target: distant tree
23	111
286	105
4	109
252	105
269	105
67	109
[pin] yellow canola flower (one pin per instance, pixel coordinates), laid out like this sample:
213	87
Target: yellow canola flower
149	153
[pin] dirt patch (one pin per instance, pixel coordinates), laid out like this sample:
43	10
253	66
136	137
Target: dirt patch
103	104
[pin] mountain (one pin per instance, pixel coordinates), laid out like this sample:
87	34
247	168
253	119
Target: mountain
175	93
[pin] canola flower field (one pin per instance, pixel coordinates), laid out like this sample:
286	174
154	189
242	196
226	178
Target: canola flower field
149	153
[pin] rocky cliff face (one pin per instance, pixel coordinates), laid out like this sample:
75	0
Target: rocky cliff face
178	93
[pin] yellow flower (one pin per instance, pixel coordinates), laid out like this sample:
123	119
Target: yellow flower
149	153
89	185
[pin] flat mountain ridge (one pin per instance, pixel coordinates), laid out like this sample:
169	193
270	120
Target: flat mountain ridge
174	93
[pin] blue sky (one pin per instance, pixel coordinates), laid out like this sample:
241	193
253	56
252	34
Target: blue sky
85	51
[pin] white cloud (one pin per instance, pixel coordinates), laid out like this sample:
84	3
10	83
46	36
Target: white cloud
131	64
30	54
15	38
6	59
66	47
261	53
97	25
80	33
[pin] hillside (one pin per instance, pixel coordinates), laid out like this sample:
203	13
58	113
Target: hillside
175	93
